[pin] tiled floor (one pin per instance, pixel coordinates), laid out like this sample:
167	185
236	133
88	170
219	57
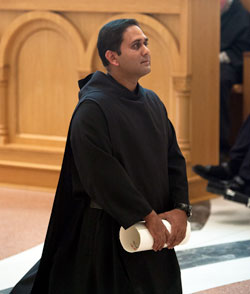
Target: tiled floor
215	260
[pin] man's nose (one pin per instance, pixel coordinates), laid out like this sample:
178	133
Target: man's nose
145	50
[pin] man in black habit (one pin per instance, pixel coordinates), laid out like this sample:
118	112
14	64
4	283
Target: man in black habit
122	164
235	39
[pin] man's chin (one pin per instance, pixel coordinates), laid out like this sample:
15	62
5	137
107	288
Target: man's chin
146	71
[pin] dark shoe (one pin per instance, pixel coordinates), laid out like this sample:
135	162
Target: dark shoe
219	187
236	184
216	187
237	197
231	190
214	172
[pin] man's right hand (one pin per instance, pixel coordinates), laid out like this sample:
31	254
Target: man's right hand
157	229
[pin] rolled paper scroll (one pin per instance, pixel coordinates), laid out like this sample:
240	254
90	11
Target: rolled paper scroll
137	237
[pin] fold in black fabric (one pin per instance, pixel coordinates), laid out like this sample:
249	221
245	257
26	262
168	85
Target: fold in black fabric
122	153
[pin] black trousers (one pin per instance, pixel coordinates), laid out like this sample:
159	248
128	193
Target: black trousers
228	77
240	152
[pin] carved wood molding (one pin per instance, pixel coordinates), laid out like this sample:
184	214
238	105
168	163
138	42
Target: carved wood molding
21	27
141	6
18	32
182	83
3	92
182	89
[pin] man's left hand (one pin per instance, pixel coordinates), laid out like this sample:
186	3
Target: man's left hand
178	220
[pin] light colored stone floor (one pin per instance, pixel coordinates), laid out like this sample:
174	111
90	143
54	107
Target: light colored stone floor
24	218
236	288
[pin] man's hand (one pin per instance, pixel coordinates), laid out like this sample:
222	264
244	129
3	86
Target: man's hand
178	220
157	229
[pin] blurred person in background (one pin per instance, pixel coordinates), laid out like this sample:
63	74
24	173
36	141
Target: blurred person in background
235	39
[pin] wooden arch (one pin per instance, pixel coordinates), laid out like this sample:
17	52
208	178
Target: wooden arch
11	43
20	28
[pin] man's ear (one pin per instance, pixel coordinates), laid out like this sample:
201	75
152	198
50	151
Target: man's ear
111	56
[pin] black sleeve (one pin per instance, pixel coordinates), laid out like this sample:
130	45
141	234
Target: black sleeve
101	174
238	47
235	33
176	169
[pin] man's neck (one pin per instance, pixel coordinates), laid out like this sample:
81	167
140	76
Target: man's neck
130	84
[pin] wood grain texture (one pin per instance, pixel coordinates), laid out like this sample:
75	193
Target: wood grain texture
46	46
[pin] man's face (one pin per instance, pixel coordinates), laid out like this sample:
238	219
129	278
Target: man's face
134	61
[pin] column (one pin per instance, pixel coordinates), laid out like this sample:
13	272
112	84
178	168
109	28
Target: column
3	104
182	89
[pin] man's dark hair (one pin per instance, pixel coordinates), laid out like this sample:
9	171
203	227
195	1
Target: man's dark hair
111	35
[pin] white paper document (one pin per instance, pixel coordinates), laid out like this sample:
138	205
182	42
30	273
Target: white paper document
137	237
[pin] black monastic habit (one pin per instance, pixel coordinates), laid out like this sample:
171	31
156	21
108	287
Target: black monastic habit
121	156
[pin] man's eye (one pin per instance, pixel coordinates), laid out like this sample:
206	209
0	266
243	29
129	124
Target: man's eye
136	46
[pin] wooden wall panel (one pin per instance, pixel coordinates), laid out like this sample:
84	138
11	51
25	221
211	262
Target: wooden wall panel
204	90
49	84
205	83
44	53
142	6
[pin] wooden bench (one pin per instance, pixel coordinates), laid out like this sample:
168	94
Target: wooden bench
240	100
246	85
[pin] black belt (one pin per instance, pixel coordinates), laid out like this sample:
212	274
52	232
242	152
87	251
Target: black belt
93	204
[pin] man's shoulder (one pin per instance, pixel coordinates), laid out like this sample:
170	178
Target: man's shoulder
151	95
94	94
238	11
87	106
